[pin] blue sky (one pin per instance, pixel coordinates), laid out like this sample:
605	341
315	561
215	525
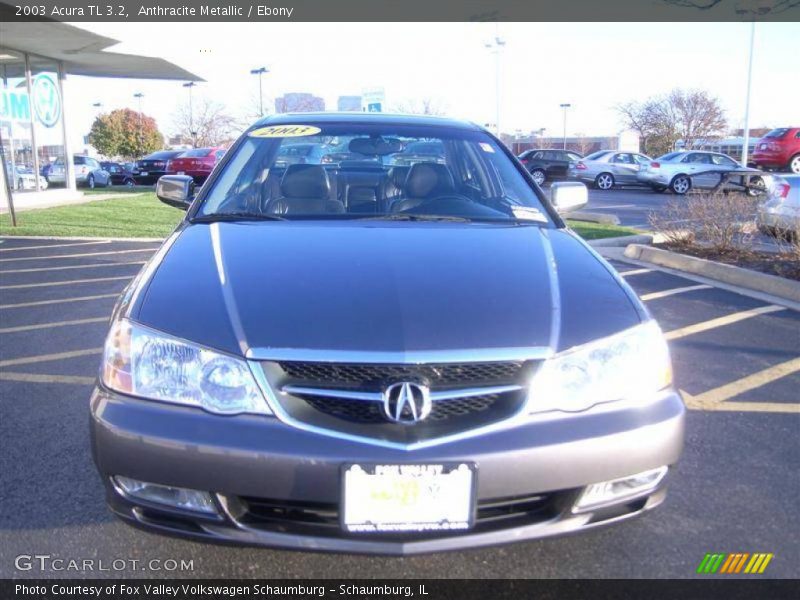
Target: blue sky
593	66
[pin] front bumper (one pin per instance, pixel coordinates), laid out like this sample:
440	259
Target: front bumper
260	457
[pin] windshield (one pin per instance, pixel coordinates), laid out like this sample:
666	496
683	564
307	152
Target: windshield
196	153
777	133
372	171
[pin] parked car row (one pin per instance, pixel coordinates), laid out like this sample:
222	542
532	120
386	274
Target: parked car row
197	163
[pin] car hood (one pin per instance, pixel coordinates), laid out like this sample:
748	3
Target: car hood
379	287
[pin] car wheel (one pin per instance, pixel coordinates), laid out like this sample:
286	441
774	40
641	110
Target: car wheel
130	183
538	176
90	182
604	181
681	184
757	187
794	164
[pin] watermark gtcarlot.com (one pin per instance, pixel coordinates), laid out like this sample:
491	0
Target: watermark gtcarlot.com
50	563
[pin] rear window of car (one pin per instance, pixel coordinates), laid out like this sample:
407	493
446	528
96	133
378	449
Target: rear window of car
598	154
196	153
79	160
669	156
160	155
777	133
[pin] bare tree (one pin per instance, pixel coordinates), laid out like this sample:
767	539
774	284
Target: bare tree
583	144
210	121
420	106
745	8
689	115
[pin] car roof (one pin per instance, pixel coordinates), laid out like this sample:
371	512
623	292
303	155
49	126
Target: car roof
323	118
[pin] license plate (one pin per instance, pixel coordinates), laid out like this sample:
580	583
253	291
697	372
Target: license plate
181	172
763	146
143	173
398	498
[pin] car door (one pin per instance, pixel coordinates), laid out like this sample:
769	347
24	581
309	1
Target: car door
698	166
624	168
559	164
101	176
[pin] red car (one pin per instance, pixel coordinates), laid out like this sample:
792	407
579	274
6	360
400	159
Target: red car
779	149
197	163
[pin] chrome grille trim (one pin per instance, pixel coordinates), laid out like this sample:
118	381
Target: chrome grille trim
436	396
411	357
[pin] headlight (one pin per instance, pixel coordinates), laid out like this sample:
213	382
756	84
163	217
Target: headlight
143	362
631	364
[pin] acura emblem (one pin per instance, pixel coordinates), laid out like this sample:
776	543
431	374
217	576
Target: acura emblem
406	403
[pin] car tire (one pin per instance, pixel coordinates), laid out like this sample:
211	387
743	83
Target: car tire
539	176
90	182
129	183
604	181
680	185
794	164
759	187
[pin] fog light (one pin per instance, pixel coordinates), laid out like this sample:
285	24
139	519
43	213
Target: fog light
607	492
174	497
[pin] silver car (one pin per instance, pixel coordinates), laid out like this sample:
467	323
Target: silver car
687	169
608	168
779	214
88	172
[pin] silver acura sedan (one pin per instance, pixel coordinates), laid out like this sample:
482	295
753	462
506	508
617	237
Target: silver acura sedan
683	170
608	168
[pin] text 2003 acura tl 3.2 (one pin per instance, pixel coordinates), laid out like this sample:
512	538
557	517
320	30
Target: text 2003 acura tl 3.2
382	352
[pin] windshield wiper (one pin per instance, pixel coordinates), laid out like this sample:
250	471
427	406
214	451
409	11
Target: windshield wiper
236	216
413	217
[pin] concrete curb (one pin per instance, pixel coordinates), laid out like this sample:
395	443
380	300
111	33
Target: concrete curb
592	217
780	287
623	240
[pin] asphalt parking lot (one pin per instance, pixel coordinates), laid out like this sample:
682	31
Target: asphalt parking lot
737	360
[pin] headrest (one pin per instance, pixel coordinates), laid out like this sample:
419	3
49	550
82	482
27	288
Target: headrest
425	180
306	181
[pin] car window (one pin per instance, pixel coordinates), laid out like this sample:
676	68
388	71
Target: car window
378	170
572	156
623	158
79	160
642	159
538	155
598	155
777	133
722	160
698	158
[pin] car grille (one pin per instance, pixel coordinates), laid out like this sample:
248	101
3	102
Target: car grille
442	375
469	396
323	519
372	412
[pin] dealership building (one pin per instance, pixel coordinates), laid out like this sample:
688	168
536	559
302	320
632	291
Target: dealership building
35	59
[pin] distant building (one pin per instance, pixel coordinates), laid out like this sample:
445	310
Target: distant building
349	104
299	102
625	140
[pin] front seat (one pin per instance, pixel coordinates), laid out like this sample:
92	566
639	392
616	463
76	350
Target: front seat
424	182
305	189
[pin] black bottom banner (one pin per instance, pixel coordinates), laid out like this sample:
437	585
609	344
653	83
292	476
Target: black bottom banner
430	589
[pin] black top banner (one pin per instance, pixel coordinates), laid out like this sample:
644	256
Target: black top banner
399	10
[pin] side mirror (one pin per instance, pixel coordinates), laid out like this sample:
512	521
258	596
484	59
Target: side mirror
175	190
567	196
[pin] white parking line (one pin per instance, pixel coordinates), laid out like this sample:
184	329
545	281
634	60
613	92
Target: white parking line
151	250
19	248
720	321
92	266
53	283
28	360
57	301
37	378
672	292
635	272
36	326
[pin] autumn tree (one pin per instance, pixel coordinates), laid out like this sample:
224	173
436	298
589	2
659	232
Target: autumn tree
208	123
420	106
125	133
691	116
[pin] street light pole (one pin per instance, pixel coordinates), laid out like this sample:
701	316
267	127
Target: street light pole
260	71
565	106
190	85
139	96
494	47
746	144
